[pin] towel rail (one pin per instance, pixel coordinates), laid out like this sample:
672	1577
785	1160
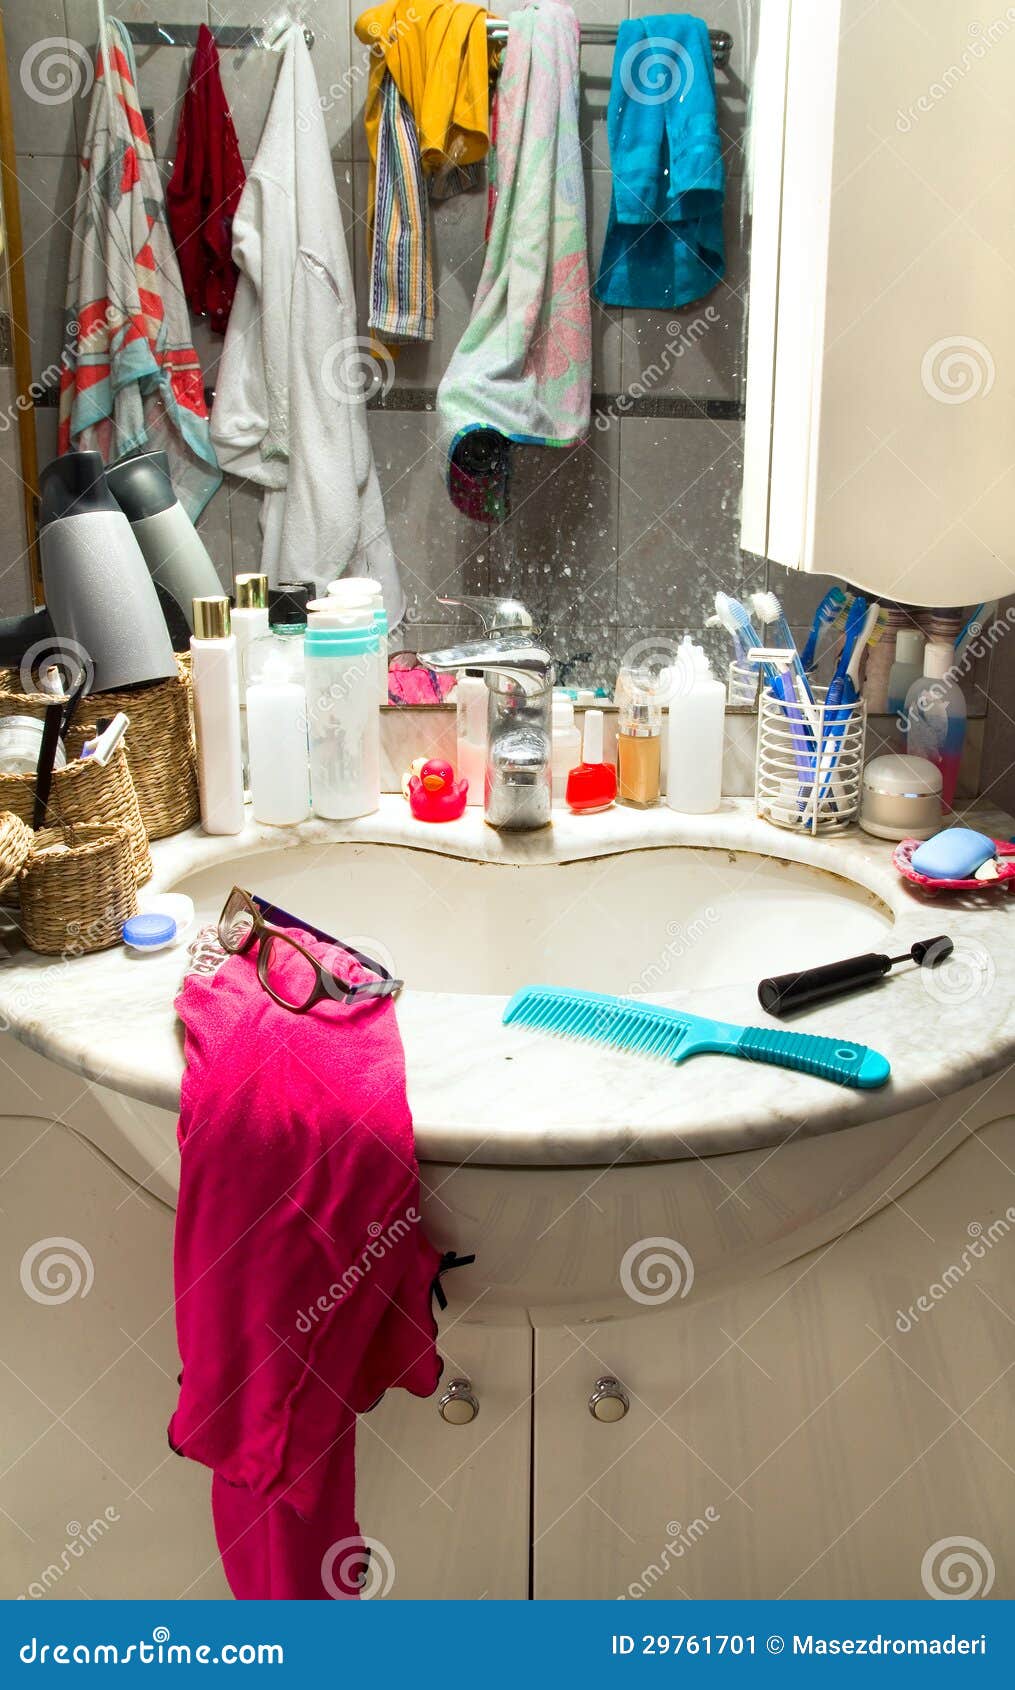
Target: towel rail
605	35
246	36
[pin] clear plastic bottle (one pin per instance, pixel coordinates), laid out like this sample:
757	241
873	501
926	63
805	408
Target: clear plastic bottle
697	723
471	711
907	668
935	716
343	718
277	730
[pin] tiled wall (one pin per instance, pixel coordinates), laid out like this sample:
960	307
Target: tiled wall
622	540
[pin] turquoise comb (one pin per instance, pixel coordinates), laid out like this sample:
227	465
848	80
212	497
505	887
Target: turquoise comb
675	1035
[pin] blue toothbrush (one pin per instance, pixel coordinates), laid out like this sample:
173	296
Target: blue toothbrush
825	614
674	1035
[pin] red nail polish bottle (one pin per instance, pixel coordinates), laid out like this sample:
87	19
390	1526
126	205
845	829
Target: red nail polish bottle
593	784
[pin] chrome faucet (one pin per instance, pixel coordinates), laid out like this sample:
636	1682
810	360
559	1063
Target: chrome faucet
498	615
519	680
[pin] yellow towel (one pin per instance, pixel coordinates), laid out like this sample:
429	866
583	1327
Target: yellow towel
438	55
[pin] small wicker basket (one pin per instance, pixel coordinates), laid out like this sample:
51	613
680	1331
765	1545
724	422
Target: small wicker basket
77	890
15	848
159	743
86	792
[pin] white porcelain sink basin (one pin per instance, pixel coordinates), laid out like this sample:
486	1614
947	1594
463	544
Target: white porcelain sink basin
642	921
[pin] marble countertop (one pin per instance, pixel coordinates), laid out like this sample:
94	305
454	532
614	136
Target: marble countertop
496	1095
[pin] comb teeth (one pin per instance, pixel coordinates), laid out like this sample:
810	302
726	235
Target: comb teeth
620	1022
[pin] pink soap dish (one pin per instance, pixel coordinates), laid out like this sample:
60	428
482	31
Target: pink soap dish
902	859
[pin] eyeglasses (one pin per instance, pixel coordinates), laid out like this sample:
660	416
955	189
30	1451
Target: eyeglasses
290	974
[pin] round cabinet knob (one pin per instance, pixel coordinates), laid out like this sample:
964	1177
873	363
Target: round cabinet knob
609	1401
459	1403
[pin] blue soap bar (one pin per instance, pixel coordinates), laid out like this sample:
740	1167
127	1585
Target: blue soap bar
955	854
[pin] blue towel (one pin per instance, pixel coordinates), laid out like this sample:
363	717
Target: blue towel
664	241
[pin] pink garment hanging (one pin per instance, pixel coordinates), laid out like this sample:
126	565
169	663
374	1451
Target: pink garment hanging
303	1278
205	187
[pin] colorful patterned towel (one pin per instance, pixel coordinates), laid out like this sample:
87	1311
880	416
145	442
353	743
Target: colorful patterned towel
522	371
131	380
401	270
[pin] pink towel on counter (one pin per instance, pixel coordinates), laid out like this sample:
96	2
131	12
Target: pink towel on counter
303	1278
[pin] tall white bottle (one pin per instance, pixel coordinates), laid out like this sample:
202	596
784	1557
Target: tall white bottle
216	688
250	623
351	591
697	722
343	716
277	732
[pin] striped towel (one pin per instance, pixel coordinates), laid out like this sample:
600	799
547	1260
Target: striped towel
401	269
130	379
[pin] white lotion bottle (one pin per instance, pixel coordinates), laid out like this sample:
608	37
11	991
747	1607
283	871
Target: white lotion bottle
697	723
277	737
343	718
249	623
352	591
216	690
471	712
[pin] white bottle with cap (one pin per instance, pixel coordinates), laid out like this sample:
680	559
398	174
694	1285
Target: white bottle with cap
934	716
249	623
566	745
343	721
907	668
697	722
471	714
216	692
363	589
277	732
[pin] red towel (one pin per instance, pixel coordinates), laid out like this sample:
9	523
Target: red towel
303	1277
205	187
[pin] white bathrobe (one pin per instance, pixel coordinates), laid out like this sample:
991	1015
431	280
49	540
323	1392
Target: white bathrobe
290	410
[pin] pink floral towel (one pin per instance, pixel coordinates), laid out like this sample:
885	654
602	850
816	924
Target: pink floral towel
522	371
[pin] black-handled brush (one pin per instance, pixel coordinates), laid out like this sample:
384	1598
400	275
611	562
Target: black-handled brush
785	993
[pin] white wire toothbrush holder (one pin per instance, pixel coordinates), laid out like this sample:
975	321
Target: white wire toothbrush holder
809	764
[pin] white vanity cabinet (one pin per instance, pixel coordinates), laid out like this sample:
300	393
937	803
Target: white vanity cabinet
880	403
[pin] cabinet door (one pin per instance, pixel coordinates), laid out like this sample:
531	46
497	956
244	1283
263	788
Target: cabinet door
888	361
815	1435
448	1504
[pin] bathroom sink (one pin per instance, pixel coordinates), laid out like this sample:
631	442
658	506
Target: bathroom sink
647	921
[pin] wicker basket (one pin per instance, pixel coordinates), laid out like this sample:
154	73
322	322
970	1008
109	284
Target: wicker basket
15	848
77	890
86	792
159	743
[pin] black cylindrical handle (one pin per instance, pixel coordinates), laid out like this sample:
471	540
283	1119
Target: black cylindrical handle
784	993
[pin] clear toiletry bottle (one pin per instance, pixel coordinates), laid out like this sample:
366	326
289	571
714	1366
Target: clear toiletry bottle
639	727
935	716
565	745
907	668
279	755
216	693
697	724
343	717
471	709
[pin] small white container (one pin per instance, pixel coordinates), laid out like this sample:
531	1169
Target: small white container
697	725
565	744
901	798
343	718
471	711
216	693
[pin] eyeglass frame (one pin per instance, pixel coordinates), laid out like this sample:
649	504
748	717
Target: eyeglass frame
270	921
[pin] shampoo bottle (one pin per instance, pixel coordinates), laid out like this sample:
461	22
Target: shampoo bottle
343	718
249	623
907	668
216	692
697	722
935	716
351	590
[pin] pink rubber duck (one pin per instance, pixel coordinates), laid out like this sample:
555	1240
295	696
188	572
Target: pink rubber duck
434	793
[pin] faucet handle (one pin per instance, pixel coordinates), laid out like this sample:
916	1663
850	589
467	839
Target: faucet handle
498	615
512	658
